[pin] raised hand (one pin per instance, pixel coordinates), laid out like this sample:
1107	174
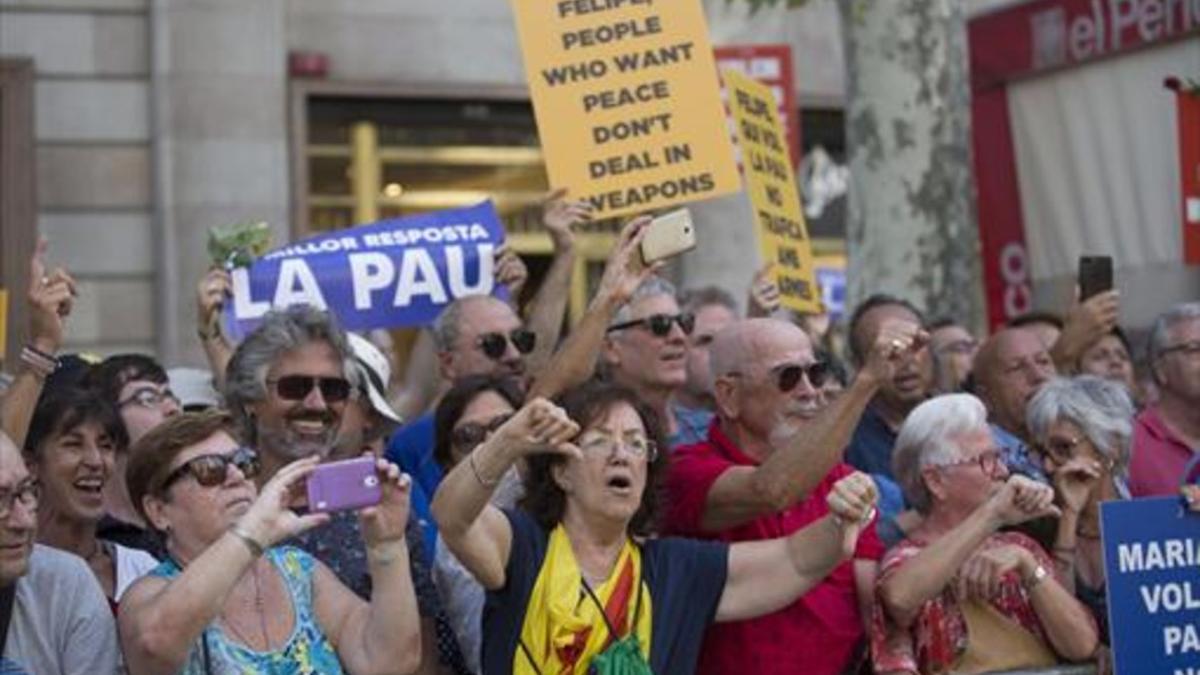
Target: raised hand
559	215
270	518
1075	482
765	299
898	341
211	294
538	427
386	521
626	270
980	576
852	504
1021	499
51	297
511	271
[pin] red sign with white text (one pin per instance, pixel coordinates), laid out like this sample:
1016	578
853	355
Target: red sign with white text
1052	34
771	65
1030	39
1189	172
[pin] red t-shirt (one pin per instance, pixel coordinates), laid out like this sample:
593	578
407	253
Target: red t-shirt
816	634
1159	457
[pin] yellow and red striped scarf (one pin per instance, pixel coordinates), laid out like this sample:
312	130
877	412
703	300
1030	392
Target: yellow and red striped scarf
563	628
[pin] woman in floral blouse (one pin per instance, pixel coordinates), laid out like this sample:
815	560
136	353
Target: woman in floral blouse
958	595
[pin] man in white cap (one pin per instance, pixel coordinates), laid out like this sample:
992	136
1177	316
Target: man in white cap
367	421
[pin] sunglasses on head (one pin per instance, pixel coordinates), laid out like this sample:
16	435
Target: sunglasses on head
471	434
660	324
494	345
297	387
210	470
787	376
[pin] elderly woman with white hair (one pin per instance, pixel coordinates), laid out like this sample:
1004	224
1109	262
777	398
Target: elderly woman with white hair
960	595
1083	426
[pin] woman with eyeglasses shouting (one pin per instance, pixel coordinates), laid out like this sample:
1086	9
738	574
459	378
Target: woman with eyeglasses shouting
228	600
1083	427
575	580
71	447
959	595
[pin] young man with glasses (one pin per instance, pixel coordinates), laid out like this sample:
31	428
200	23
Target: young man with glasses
1166	435
55	618
764	471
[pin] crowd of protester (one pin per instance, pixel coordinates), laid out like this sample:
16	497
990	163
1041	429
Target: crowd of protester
671	486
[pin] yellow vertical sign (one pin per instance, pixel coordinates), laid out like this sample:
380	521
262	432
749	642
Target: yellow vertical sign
774	196
627	101
3	323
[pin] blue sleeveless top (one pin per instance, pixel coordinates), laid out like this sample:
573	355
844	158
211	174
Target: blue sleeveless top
306	652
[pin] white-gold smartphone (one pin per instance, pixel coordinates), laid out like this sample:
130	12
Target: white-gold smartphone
668	235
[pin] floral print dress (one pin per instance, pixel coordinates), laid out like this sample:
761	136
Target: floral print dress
306	652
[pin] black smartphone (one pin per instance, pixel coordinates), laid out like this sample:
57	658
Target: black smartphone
1095	275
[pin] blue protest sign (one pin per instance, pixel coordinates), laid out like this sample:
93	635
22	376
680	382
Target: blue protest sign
1151	562
397	272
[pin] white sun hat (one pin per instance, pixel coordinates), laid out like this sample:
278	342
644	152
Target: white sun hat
375	369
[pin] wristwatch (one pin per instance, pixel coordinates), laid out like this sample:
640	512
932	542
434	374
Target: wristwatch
1039	575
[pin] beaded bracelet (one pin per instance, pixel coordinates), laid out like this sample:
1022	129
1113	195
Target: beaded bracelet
38	362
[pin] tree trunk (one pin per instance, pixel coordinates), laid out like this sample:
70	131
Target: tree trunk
911	228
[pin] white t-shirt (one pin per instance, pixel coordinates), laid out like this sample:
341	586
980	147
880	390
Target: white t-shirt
61	621
132	564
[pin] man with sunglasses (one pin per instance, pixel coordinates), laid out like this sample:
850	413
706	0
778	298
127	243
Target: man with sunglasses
53	616
770	459
646	349
1166	435
138	386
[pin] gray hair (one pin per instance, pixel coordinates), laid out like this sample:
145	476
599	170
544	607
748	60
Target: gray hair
1101	408
447	327
654	285
280	331
1159	338
692	299
929	438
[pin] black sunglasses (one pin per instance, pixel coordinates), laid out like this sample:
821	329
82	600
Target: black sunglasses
494	345
210	470
660	324
787	376
471	434
297	387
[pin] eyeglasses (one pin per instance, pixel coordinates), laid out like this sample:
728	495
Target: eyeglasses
467	436
494	345
1061	449
959	347
989	462
149	397
1190	349
27	494
787	376
604	446
210	470
660	324
297	387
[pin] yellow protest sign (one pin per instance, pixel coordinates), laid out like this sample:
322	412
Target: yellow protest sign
3	323
627	101
774	197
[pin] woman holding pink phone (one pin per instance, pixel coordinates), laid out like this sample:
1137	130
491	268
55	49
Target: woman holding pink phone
230	600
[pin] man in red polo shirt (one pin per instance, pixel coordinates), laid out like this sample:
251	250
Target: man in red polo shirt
1167	435
771	457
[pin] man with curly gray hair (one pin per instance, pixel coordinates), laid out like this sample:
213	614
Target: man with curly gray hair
288	383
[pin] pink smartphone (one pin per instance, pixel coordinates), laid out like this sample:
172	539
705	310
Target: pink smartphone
341	486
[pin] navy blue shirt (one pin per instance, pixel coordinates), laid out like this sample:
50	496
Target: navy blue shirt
870	449
685	579
411	448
